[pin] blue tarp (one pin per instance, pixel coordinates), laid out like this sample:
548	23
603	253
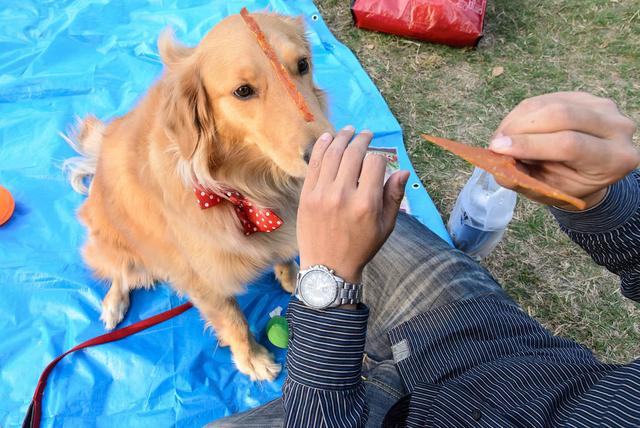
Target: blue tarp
60	58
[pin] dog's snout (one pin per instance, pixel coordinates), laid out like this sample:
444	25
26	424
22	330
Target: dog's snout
307	153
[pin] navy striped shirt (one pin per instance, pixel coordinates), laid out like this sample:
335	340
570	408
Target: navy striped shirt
504	370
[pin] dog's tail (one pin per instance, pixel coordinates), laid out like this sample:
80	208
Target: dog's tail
85	138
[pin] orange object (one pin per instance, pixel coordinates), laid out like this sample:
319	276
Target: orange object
503	166
279	68
6	205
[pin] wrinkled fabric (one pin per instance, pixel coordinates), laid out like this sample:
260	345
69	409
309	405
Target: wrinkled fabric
63	58
450	22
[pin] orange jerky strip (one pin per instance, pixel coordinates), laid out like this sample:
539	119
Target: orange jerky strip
279	68
503	166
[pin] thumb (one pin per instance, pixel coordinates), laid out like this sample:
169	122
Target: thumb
564	146
392	198
505	145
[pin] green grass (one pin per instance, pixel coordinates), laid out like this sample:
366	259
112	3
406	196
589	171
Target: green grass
544	46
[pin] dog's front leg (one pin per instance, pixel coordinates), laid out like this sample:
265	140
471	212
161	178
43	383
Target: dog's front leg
226	318
287	274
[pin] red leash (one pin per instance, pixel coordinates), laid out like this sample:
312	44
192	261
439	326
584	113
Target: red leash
32	420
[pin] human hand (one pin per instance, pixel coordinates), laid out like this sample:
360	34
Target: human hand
573	141
346	210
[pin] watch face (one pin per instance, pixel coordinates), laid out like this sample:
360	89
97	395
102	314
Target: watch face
318	289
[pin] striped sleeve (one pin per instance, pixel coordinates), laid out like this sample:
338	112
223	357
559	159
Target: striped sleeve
610	232
612	402
324	387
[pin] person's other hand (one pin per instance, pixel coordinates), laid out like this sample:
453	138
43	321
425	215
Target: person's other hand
573	141
346	210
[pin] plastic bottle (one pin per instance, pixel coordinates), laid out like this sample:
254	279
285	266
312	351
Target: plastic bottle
481	215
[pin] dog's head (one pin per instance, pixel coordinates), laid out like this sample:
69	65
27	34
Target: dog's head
225	108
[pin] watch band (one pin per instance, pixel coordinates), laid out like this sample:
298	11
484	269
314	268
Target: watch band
348	294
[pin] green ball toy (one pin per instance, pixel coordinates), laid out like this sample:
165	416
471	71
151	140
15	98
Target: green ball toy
278	331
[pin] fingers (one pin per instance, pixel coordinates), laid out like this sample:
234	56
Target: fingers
392	199
372	175
532	104
333	155
348	165
576	111
313	172
564	116
353	157
564	146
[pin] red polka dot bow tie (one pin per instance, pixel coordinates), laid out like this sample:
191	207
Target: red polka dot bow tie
252	218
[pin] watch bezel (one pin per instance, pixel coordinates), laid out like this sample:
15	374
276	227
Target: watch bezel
326	272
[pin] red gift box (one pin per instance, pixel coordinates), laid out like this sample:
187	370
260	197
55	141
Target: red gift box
450	22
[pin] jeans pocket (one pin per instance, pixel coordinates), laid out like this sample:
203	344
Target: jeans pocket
383	376
383	387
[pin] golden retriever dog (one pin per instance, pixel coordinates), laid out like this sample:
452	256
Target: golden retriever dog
217	119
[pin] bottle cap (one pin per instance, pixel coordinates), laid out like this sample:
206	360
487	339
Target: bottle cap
7	205
278	331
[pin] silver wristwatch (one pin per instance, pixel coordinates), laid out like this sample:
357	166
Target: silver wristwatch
319	288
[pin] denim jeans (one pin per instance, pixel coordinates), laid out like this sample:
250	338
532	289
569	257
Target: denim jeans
414	272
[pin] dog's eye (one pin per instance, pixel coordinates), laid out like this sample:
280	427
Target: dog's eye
303	66
243	92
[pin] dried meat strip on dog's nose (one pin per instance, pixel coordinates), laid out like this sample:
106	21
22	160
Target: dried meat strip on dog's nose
279	68
503	167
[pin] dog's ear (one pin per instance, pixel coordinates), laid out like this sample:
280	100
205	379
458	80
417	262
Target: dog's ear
188	114
172	52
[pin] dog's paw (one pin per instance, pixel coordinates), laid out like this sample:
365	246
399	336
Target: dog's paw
114	306
286	274
259	365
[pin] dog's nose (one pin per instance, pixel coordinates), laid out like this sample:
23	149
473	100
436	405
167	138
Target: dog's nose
307	153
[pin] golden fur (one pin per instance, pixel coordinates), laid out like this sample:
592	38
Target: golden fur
143	221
